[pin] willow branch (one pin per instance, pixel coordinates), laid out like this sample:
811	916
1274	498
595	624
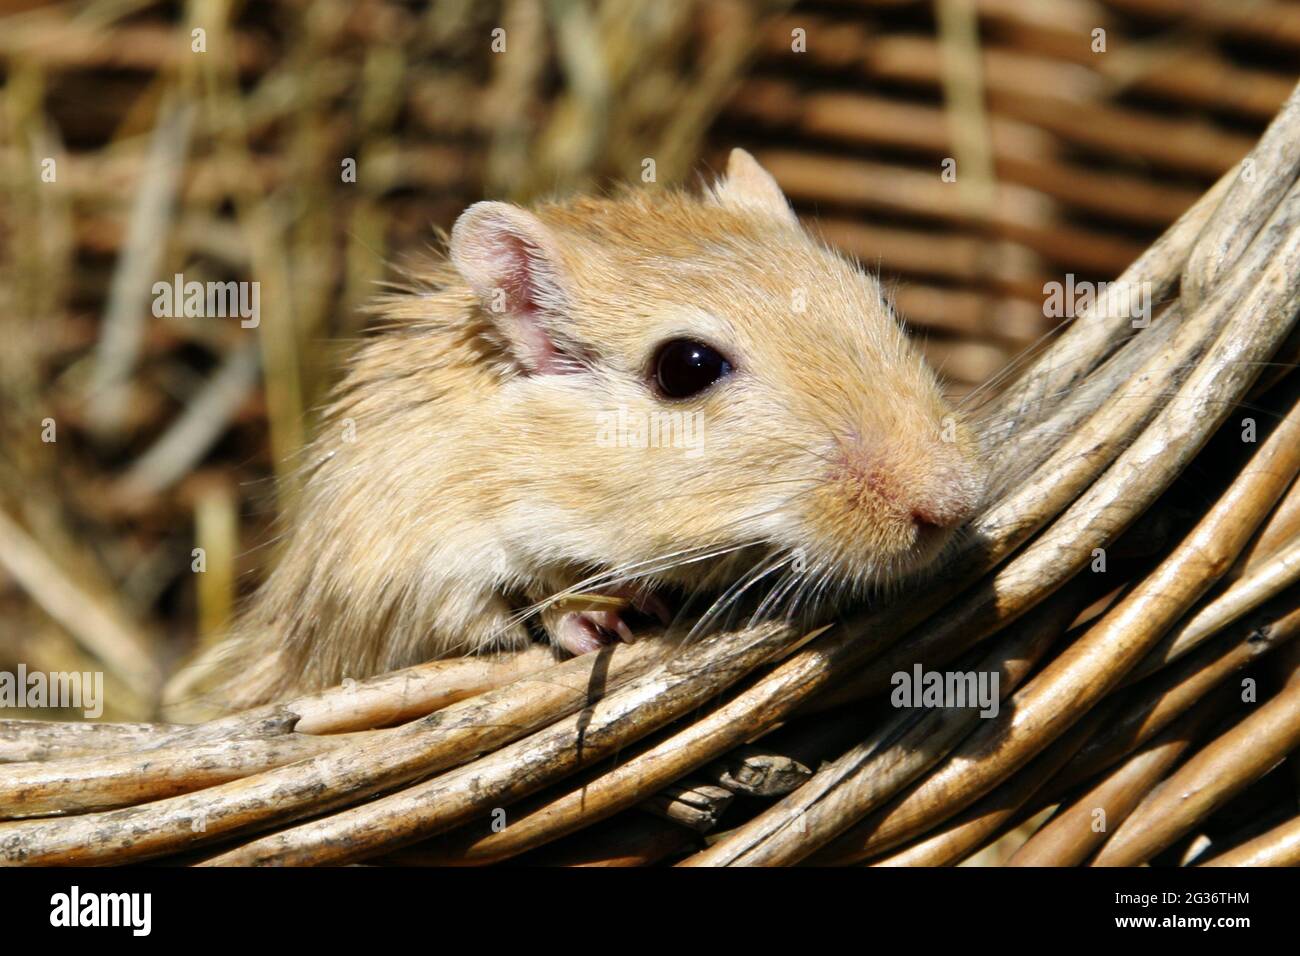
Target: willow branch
1213	776
679	685
347	773
1264	581
1076	831
1278	847
890	758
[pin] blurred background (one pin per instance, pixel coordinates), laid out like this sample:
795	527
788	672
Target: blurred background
311	146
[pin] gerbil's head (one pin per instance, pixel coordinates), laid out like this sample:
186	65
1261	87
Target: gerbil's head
683	375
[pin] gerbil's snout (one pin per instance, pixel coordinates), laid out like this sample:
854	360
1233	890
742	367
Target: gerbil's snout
891	504
931	487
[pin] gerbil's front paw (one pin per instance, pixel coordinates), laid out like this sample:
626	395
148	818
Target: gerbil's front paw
588	623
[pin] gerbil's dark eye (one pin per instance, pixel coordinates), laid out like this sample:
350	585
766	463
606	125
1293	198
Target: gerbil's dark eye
683	367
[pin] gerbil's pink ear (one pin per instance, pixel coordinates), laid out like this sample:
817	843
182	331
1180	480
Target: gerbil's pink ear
748	186
509	258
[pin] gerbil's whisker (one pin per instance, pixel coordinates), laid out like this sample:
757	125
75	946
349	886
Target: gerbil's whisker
733	594
780	589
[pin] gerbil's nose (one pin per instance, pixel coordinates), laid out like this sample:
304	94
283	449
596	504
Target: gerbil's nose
948	501
923	519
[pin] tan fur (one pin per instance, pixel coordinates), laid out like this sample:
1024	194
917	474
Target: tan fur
473	488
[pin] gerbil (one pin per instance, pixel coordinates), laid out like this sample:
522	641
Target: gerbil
462	475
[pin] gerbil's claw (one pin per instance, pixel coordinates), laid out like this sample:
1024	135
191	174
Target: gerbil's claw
612	622
601	622
581	632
